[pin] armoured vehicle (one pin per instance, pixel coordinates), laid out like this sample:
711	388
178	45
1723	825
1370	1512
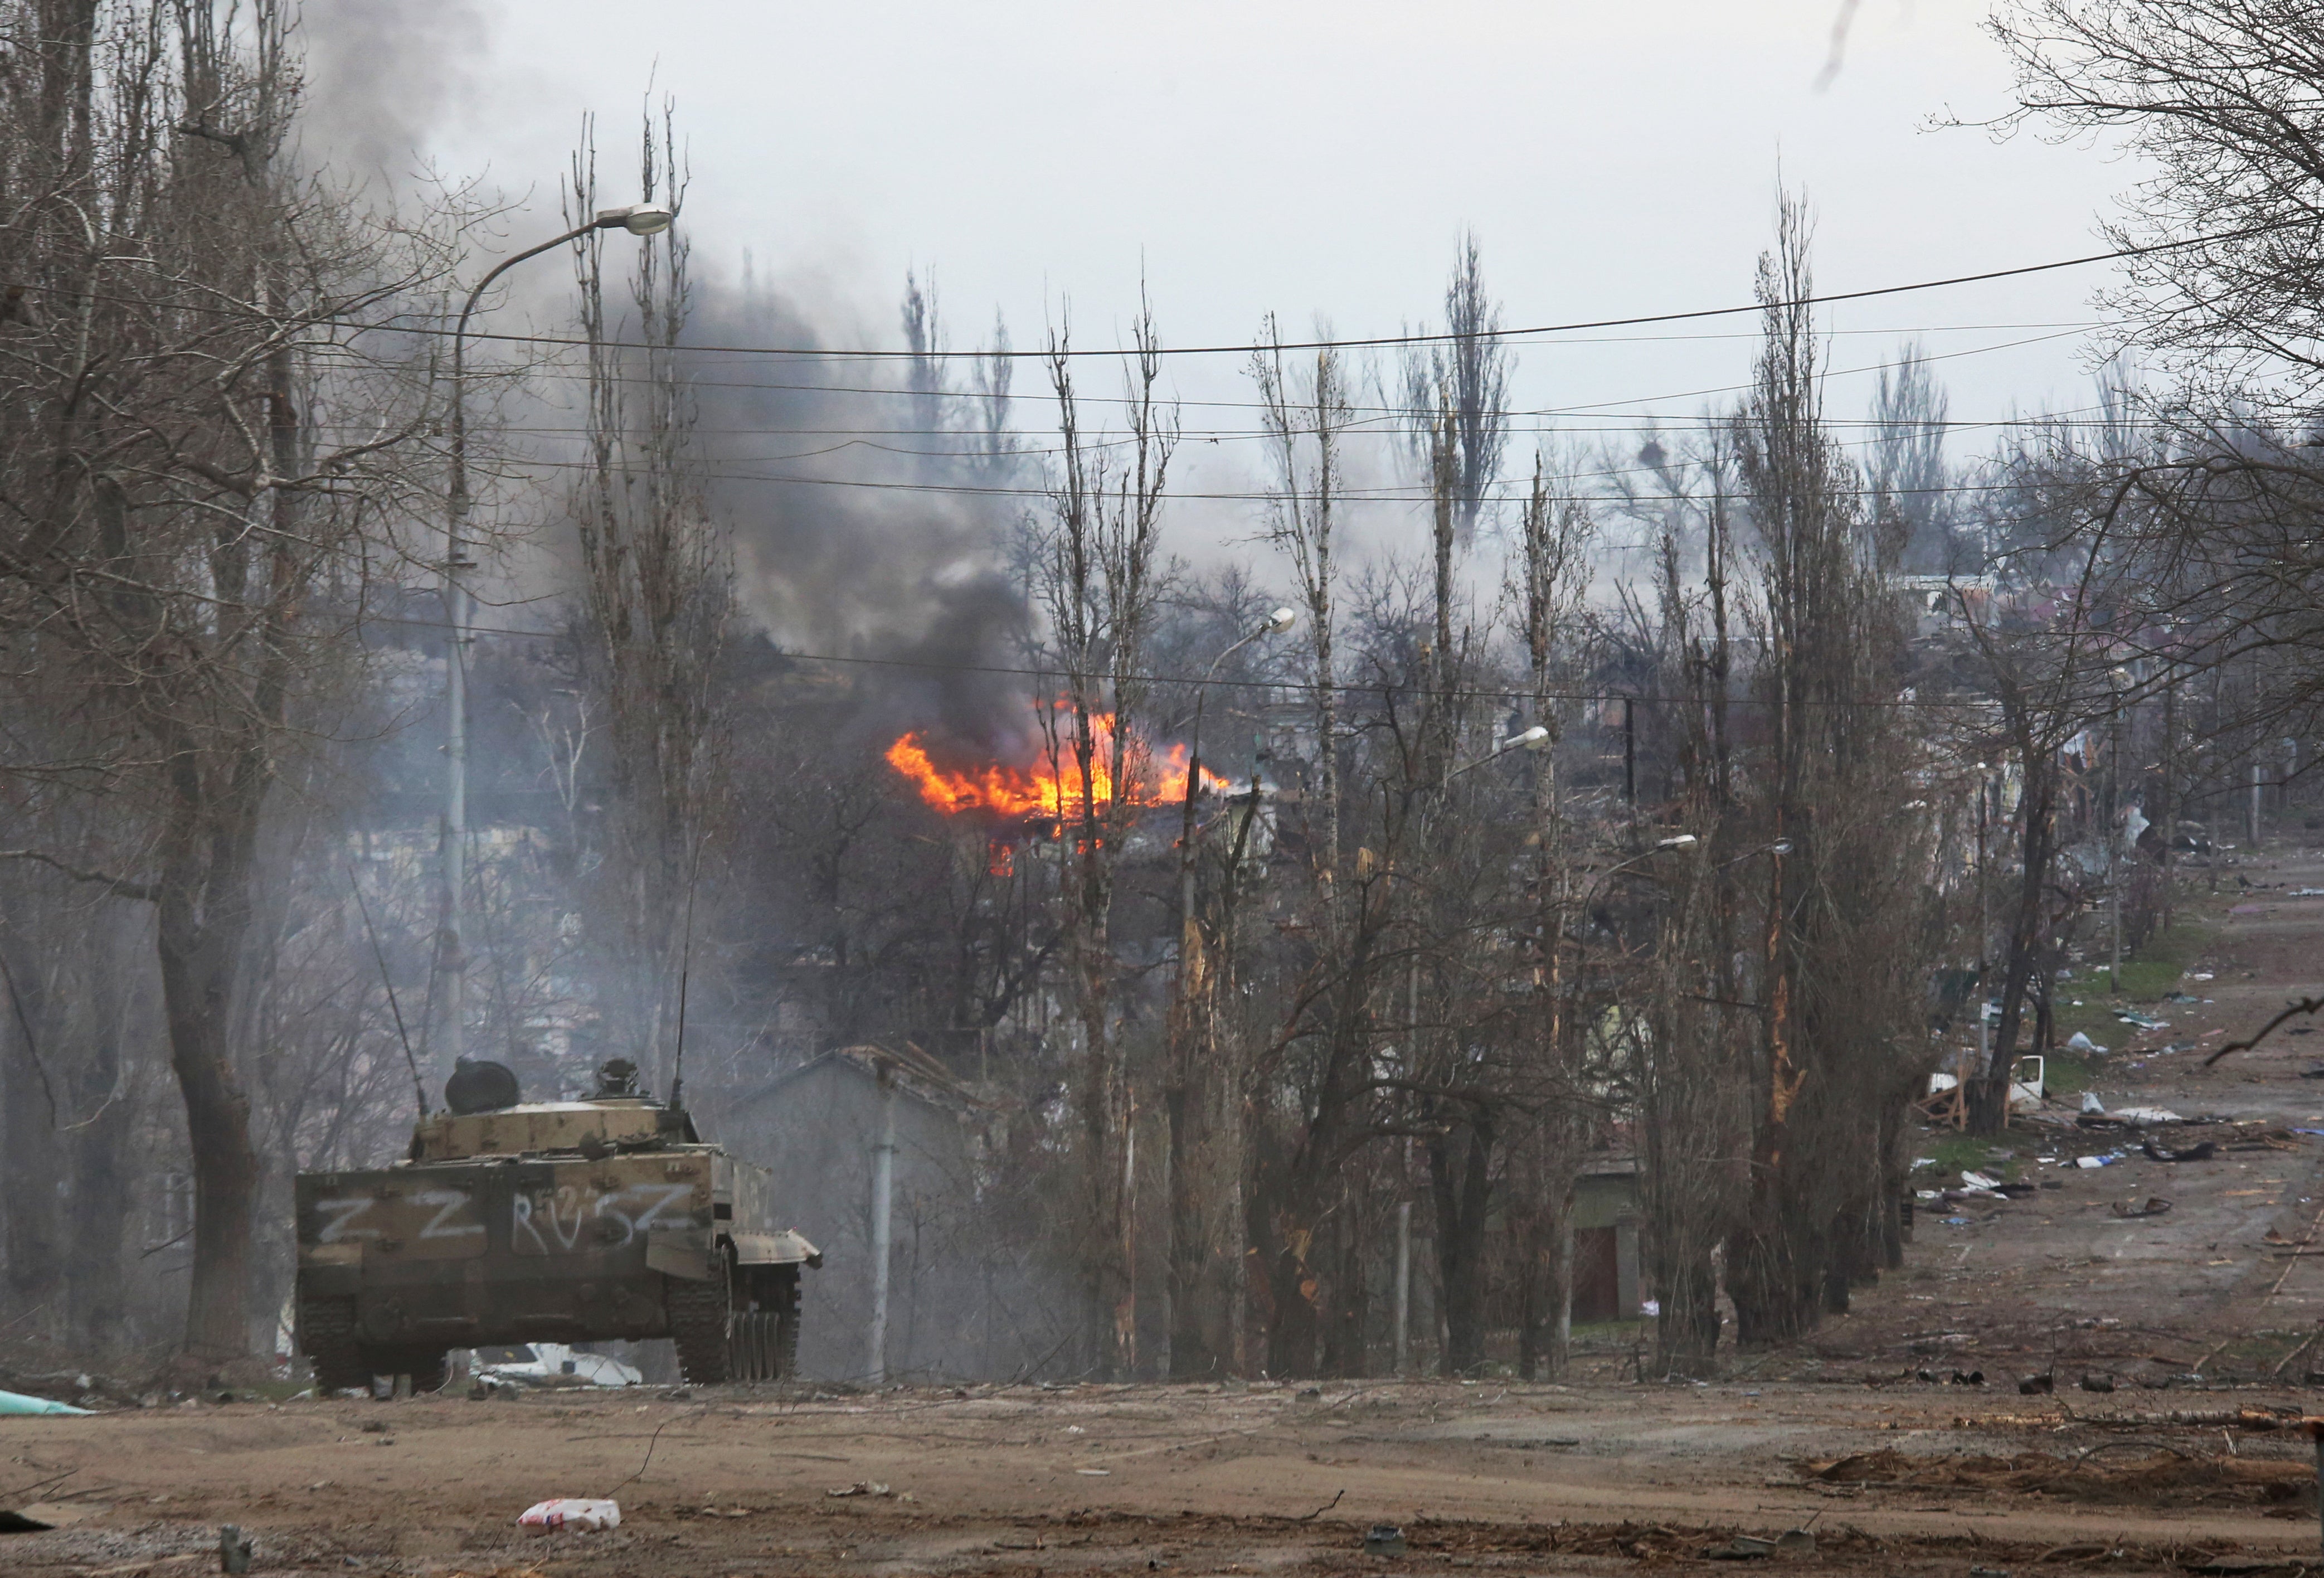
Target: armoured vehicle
564	1222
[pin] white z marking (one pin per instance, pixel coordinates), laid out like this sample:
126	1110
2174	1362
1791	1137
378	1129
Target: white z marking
450	1200
341	1213
671	1193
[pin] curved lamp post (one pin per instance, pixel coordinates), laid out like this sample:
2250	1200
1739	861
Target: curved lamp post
638	219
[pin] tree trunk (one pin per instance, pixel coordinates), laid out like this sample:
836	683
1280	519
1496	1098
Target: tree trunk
197	959
1459	1167
28	1167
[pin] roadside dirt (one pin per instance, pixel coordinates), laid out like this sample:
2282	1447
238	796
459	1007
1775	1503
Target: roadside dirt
2206	1320
1901	1477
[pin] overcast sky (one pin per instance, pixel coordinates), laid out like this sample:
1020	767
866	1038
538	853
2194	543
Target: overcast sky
1313	157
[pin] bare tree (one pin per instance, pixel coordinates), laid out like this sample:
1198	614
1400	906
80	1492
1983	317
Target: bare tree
1460	381
656	594
1835	1003
1550	576
202	457
2222	99
1100	579
1305	413
1905	470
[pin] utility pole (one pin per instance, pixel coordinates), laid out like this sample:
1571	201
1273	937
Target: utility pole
1984	919
1404	1286
883	1190
2115	825
2170	808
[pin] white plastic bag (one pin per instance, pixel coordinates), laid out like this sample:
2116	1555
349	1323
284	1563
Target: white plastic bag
570	1512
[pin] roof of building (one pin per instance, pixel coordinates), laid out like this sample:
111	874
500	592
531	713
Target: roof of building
913	1071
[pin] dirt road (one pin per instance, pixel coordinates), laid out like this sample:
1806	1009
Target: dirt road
2226	1281
1185	1479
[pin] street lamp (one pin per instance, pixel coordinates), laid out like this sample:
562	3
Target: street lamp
1780	846
1536	738
638	219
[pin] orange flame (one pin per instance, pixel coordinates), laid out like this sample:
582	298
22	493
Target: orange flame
1037	791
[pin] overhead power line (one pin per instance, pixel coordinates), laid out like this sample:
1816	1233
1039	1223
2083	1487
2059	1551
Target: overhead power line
1531	331
1342	687
1238	348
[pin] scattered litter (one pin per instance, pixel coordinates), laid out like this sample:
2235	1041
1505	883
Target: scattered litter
2182	997
2204	1152
1978	1181
1746	1548
1384	1539
860	1488
2090	1102
2080	1041
2137	1021
233	1549
2092	1162
580	1514
18	1403
2308	892
550	1365
2155	1206
2200	975
1094	1473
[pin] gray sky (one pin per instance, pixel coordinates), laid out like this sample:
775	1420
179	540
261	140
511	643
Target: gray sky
1312	158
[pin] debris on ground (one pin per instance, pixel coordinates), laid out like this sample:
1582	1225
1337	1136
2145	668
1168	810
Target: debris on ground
580	1514
18	1403
2159	1478
1384	1539
860	1488
2155	1206
2203	1150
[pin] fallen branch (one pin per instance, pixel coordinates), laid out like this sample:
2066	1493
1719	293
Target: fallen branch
2300	1005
